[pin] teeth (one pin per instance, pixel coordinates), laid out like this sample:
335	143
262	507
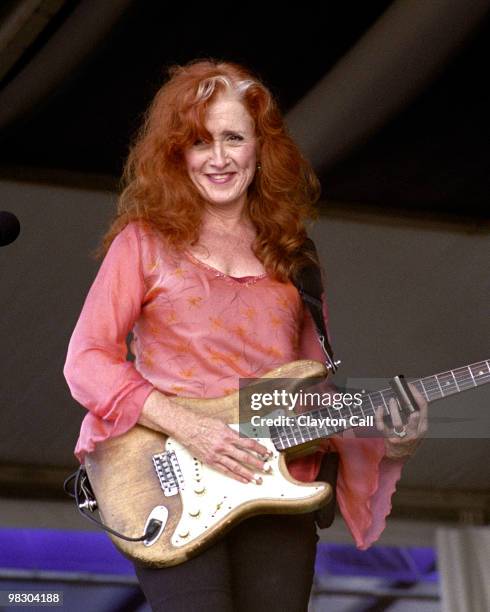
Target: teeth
219	176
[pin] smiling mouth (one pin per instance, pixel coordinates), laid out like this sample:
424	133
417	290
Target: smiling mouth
220	178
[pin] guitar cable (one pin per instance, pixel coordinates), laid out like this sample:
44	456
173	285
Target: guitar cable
82	487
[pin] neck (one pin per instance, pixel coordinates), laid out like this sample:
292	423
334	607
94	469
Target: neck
229	218
431	388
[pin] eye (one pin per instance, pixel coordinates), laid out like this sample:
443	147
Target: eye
235	137
199	143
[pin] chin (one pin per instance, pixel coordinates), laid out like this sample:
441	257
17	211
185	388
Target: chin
220	201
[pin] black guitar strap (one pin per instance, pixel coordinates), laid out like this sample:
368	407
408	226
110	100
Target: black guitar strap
310	287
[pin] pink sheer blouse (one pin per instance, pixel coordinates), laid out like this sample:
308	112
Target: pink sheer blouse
196	332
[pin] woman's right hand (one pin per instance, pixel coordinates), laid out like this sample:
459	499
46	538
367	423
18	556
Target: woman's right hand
206	438
223	449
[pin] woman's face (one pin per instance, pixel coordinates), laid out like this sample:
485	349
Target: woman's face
223	168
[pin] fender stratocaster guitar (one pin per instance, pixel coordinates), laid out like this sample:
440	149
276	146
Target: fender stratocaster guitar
145	478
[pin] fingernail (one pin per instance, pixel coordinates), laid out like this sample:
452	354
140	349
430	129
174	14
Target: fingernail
257	479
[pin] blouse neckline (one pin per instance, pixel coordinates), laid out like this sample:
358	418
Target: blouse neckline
250	279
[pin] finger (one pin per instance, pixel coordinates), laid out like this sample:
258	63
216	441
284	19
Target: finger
249	444
423	426
379	419
417	425
236	470
423	410
229	467
413	422
216	460
419	398
245	457
424	419
252	445
220	467
396	419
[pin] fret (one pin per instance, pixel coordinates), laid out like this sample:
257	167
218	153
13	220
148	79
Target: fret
376	404
276	437
317	431
300	432
446	384
310	431
457	387
434	388
439	385
282	437
326	432
384	402
472	377
390	396
371	402
365	405
429	388
362	409
464	382
478	371
344	413
313	432
418	385
291	438
424	389
333	427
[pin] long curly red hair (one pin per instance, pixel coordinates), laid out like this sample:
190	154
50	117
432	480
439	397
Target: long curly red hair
158	191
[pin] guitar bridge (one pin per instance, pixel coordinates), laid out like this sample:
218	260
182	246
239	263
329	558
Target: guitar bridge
169	473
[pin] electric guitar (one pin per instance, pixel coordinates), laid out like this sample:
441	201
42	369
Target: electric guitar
147	483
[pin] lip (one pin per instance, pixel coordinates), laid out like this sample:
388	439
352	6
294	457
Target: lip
215	181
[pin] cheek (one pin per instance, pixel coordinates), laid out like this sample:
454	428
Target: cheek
249	159
191	162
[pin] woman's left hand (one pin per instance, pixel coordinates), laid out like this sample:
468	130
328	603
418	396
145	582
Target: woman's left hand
401	447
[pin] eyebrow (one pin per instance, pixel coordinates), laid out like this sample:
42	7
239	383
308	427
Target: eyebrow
232	132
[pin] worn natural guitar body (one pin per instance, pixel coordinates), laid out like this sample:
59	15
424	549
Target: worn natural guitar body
143	474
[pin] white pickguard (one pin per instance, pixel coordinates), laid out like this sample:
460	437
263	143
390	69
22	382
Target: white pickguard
208	496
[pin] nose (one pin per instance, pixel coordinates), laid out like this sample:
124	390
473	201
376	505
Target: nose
218	154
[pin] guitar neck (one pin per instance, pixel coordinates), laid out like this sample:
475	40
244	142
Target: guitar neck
326	421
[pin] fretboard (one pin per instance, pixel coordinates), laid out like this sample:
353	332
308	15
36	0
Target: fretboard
432	388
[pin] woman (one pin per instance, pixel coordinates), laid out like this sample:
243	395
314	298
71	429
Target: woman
198	265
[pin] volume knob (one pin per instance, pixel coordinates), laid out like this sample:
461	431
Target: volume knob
199	489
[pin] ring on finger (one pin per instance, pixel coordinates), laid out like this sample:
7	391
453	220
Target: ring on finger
401	432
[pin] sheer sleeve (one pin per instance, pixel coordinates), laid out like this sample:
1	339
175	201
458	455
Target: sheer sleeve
96	370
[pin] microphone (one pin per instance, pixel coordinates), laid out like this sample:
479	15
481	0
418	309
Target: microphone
9	227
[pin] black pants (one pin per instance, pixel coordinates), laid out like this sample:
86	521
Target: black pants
264	564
